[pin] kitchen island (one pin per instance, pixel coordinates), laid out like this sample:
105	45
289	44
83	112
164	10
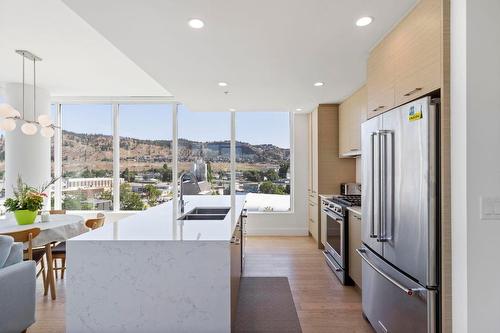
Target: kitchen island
153	273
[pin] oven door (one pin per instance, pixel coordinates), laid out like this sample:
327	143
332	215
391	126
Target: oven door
335	237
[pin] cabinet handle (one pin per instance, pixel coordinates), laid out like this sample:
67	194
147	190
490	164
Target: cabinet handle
412	92
378	108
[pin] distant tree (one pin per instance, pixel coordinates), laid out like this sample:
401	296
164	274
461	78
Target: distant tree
76	201
70	203
269	187
166	173
271	174
128	175
152	194
283	170
128	199
210	176
106	195
252	175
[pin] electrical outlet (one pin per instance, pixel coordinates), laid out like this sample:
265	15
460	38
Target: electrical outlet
490	208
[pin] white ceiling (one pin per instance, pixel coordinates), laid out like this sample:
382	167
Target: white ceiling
269	51
77	60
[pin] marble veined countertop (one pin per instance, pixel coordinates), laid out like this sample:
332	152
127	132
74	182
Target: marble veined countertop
157	223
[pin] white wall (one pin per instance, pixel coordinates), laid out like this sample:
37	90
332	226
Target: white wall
475	139
293	223
27	156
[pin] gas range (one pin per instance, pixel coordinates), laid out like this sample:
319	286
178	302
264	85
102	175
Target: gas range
339	202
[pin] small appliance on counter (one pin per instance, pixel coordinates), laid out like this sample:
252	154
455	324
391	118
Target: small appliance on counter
350	189
334	212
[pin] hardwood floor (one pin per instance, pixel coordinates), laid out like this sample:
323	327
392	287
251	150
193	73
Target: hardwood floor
322	303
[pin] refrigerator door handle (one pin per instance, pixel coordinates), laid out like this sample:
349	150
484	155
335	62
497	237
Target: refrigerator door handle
383	134
381	186
372	197
408	291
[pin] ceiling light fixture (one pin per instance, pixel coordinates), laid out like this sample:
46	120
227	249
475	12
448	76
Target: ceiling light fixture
222	84
196	23
364	21
11	115
318	84
232	109
298	109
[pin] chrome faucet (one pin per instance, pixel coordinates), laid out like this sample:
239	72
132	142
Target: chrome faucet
192	178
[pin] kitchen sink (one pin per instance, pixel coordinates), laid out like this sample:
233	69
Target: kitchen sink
210	210
206	213
202	217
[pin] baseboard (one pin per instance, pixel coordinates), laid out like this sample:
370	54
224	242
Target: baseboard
278	232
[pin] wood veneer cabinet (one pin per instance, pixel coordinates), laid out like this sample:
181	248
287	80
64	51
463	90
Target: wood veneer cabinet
406	64
326	170
381	77
355	243
352	112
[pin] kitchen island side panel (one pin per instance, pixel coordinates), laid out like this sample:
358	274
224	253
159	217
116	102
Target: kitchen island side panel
148	286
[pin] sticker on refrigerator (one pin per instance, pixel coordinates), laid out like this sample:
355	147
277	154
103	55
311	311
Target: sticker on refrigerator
415	114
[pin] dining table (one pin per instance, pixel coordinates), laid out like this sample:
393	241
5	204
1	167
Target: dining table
58	228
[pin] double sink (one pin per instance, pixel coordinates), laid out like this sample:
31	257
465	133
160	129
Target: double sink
205	213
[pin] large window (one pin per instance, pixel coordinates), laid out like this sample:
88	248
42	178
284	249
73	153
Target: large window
87	157
2	166
263	160
141	171
204	149
145	155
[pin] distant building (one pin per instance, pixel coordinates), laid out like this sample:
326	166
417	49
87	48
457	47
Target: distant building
199	169
73	184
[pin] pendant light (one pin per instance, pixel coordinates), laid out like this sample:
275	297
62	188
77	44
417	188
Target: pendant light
11	115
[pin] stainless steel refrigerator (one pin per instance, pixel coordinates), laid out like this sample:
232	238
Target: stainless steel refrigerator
400	205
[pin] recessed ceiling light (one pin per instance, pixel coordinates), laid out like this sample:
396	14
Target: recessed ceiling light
298	109
318	84
222	84
196	23
232	109
364	21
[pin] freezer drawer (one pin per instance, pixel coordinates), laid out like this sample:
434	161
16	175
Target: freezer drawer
392	302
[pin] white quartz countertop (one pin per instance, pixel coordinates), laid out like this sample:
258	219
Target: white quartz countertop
355	209
157	223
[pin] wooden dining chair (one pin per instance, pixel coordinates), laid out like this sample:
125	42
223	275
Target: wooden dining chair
57	211
95	223
35	254
59	251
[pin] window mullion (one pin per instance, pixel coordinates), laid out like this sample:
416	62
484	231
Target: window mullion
116	158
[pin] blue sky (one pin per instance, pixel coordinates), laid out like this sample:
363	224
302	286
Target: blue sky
154	122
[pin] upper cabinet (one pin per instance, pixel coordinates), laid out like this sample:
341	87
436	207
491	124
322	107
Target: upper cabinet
407	63
352	112
381	77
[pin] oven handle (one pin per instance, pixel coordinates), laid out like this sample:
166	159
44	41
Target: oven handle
337	269
332	214
408	291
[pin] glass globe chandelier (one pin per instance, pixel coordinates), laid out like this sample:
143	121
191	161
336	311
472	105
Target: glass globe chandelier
11	116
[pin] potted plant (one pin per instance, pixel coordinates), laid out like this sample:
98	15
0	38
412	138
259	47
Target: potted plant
27	201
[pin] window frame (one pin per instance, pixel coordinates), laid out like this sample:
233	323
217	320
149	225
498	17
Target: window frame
115	107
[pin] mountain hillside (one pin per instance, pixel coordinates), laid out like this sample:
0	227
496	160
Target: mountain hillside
94	151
